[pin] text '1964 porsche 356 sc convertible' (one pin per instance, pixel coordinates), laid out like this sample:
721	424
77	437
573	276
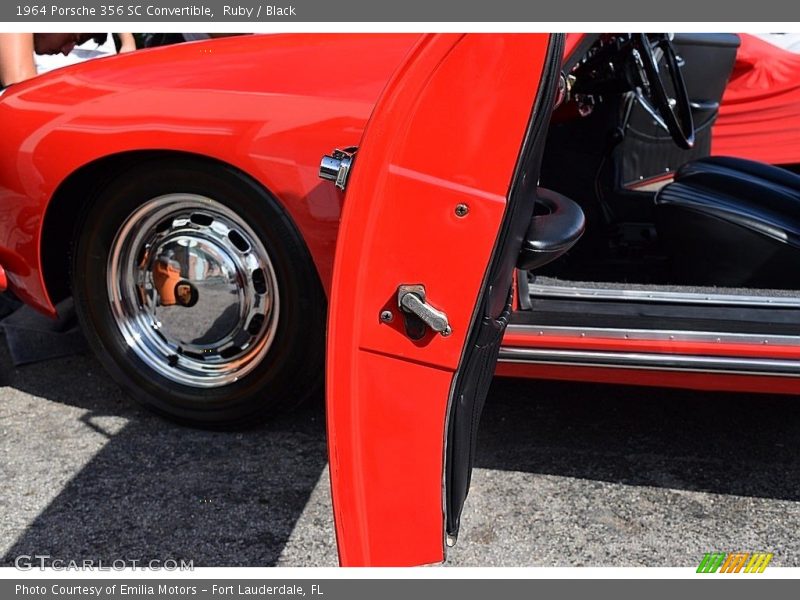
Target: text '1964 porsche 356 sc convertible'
537	205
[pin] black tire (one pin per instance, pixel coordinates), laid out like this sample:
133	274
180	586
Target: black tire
292	368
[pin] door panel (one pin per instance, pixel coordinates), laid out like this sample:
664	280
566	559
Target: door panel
425	206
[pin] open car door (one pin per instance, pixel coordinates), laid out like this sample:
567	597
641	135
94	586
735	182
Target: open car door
437	214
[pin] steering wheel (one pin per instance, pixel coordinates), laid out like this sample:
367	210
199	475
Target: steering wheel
672	114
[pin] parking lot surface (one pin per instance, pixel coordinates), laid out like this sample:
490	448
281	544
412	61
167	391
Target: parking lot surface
567	475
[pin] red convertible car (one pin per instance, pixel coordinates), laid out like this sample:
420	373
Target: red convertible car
545	205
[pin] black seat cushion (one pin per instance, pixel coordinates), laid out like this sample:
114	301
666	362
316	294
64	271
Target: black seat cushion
733	222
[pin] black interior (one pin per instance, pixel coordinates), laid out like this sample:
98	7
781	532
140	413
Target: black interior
732	222
722	222
647	150
557	224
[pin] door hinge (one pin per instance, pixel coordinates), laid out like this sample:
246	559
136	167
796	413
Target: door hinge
336	166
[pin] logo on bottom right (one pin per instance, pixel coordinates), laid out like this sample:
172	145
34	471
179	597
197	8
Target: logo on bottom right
734	562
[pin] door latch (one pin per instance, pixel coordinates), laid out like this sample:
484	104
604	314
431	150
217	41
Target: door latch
336	167
418	314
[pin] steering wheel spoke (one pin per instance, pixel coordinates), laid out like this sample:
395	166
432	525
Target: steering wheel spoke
674	114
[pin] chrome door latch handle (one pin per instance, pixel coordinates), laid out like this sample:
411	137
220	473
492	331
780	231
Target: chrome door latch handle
420	315
336	166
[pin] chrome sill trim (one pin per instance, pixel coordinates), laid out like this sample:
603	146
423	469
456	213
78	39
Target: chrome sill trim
655	334
584	293
651	361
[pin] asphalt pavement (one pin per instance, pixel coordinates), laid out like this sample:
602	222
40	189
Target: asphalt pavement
567	475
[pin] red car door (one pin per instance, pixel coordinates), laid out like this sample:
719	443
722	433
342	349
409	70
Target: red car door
439	200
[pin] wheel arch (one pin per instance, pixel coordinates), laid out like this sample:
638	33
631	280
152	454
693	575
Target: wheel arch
67	209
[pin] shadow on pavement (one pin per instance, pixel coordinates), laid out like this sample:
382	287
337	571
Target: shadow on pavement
741	444
158	490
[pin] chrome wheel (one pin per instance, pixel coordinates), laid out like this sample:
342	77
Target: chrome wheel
192	290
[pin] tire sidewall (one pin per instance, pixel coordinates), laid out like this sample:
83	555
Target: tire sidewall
286	373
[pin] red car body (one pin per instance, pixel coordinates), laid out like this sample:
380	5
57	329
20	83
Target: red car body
265	105
759	116
417	211
223	100
387	394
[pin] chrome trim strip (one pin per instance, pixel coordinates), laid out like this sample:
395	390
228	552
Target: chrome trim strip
656	334
648	361
585	293
651	184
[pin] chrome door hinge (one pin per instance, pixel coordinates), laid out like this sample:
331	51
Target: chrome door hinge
336	166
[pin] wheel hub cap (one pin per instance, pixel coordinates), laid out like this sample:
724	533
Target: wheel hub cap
192	290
